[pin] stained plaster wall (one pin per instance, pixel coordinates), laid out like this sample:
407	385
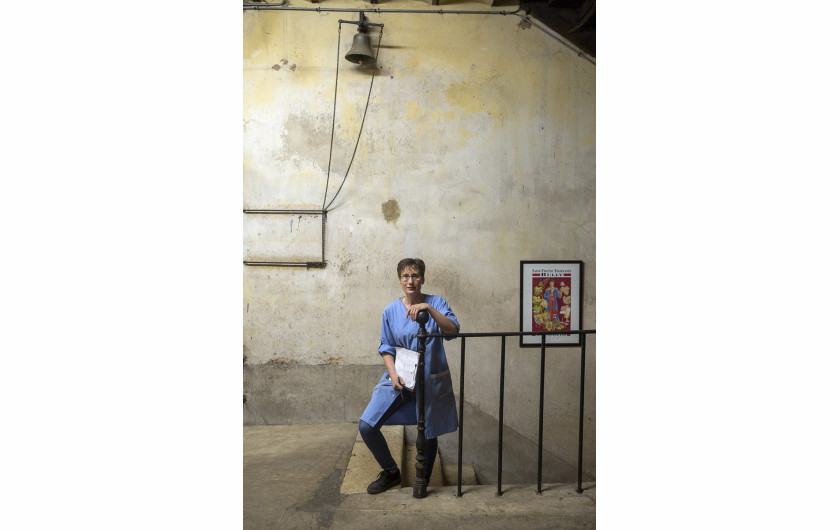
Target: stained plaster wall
478	151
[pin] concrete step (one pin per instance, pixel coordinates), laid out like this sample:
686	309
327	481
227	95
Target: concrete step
468	476
362	468
441	475
409	471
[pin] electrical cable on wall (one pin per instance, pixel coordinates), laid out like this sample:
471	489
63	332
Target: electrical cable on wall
325	206
361	126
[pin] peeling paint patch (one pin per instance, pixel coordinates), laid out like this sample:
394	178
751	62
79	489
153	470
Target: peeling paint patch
284	64
332	361
524	24
391	211
302	131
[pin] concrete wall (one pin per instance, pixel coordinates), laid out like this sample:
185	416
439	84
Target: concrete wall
478	151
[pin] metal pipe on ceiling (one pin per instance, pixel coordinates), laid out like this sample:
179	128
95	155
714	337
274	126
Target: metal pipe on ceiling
283	6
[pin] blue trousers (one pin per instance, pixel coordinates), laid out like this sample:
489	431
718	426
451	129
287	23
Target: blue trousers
375	441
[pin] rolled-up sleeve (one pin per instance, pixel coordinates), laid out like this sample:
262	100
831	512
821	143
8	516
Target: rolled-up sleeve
446	311
387	344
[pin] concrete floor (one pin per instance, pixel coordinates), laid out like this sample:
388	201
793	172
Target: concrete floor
293	474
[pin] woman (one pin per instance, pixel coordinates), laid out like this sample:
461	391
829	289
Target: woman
393	404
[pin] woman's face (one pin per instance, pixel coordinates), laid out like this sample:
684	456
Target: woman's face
411	281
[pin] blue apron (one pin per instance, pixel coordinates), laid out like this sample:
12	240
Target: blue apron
441	413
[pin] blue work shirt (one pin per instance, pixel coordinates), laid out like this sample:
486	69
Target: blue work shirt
397	330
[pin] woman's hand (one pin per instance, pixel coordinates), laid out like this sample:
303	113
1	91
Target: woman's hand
397	383
446	325
416	308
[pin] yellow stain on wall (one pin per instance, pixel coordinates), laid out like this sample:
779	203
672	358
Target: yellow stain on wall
464	95
413	111
260	32
258	90
464	138
472	99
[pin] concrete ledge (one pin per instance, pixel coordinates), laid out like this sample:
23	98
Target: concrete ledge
409	469
362	469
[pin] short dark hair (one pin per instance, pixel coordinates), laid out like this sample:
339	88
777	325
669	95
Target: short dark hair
411	262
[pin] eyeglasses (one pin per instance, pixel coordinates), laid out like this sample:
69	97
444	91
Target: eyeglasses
406	277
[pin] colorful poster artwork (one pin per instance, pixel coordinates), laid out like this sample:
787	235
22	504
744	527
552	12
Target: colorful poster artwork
552	303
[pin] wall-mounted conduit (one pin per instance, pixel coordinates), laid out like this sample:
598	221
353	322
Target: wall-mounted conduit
307	264
283	6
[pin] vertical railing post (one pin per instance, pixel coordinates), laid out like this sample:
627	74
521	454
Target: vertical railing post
461	414
420	389
542	400
580	424
501	416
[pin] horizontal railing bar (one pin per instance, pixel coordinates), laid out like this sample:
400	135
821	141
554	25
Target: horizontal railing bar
515	333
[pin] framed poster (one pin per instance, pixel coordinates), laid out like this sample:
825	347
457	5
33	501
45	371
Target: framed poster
550	300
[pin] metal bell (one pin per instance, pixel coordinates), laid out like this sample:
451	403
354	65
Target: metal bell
360	52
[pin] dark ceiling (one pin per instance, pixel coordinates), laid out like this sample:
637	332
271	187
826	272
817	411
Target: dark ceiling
573	19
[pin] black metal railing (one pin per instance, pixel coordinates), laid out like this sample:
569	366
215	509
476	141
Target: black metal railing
422	318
